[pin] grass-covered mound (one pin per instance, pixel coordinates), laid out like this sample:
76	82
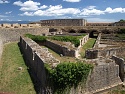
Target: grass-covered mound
11	79
67	75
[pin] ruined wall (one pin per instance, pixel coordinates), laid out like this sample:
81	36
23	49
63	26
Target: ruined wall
108	52
9	35
60	49
103	77
120	62
35	58
97	41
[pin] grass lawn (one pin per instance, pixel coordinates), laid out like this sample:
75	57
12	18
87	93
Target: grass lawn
86	46
11	79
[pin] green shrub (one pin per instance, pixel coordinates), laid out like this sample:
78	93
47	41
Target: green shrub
122	31
68	74
36	38
72	39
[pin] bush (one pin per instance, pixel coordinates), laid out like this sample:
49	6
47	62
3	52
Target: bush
122	31
36	38
68	74
72	39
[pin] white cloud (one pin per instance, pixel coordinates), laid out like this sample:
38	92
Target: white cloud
91	11
9	12
43	7
115	10
72	0
57	10
28	5
3	1
2	16
32	8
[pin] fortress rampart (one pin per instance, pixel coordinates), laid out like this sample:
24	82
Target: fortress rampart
103	76
35	58
10	34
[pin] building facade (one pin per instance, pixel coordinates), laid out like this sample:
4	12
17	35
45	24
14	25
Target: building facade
63	22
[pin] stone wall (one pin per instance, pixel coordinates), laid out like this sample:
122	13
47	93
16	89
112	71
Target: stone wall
103	77
120	62
35	58
61	49
107	53
9	35
97	41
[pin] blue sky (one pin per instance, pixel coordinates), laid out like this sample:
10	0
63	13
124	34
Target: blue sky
35	10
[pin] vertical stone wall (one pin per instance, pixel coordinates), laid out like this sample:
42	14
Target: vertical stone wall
103	77
120	62
35	58
97	41
60	49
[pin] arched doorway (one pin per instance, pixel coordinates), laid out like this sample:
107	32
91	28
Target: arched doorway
72	31
93	34
82	31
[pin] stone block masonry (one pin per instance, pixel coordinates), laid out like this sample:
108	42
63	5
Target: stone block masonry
13	34
35	58
103	77
120	62
107	53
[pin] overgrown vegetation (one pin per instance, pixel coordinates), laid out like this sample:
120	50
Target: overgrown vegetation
72	39
90	43
36	38
11	79
122	31
68	75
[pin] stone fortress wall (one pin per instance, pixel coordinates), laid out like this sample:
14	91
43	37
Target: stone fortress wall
16	25
28	46
35	58
10	34
103	76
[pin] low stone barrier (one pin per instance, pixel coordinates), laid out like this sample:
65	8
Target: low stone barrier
107	53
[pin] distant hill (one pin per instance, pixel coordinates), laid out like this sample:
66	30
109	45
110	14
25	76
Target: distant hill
12	22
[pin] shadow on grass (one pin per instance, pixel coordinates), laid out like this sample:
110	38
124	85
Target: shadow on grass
36	83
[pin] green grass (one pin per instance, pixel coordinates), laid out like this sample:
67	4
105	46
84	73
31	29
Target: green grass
120	36
63	58
89	44
11	79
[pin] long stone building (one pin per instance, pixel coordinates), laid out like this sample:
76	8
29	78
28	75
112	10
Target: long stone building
63	22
